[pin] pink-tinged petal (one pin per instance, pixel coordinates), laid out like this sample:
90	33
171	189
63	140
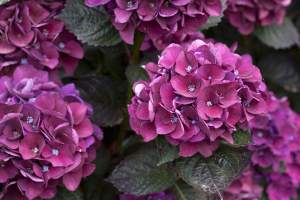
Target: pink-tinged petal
212	73
31	146
6	48
31	189
127	34
165	122
88	169
167	96
187	86
94	3
52	29
169	56
72	48
148	132
72	180
178	132
188	149
18	38
122	16
85	128
142	111
206	148
36	12
69	63
293	170
78	112
213	7
180	2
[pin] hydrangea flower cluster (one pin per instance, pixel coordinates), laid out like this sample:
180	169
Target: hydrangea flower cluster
276	155
197	95
30	34
246	14
47	138
156	196
159	19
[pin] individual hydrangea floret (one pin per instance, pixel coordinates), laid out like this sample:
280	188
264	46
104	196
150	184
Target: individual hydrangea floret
156	196
31	34
47	138
197	96
246	14
159	18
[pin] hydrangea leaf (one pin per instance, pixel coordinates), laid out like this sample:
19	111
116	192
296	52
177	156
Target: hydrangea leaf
283	70
279	36
241	138
138	174
215	20
135	73
167	152
3	2
106	96
64	194
183	191
90	25
213	174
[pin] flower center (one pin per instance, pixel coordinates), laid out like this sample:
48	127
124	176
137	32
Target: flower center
209	103
55	152
260	134
174	119
209	77
188	68
192	88
35	150
45	168
24	61
29	120
129	4
236	72
61	45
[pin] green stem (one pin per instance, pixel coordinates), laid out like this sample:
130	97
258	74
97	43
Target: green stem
178	190
138	41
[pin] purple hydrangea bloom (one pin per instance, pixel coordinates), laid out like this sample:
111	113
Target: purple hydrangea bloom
159	19
47	138
246	187
245	14
276	154
156	196
197	96
31	34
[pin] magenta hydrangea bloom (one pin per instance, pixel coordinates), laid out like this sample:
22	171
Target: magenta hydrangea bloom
159	19
47	138
31	34
246	14
197	95
156	196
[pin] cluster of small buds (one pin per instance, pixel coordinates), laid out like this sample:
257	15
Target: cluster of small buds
198	95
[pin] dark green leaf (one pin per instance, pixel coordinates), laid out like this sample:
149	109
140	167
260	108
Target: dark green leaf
183	191
138	174
213	174
63	194
215	20
107	96
135	73
167	152
90	25
283	70
241	138
279	36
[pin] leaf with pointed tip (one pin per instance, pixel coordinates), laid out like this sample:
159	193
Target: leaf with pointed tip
64	194
281	69
213	174
90	25
138	174
215	20
279	36
106	96
167	152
